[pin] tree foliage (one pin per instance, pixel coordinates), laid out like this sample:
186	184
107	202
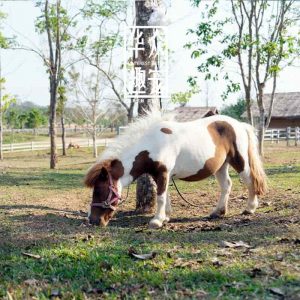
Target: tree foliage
182	98
235	110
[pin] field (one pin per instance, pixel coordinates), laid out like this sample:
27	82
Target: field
47	250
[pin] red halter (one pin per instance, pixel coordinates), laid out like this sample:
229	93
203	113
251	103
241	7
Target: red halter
113	197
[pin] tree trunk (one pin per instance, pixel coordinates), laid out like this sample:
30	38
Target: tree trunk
95	152
63	134
261	128
261	132
52	123
248	107
1	127
146	188
130	112
1	115
145	194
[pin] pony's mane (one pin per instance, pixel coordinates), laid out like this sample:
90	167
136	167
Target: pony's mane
133	133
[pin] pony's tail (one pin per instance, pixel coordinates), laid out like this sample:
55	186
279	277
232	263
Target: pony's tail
257	172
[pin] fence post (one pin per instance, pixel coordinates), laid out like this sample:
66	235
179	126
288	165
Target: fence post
278	136
11	147
288	133
297	133
88	143
31	146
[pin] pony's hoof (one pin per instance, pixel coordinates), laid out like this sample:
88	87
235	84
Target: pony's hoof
167	219
155	224
247	212
217	214
214	216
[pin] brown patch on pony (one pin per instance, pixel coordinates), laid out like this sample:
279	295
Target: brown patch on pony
114	167
224	138
166	130
144	164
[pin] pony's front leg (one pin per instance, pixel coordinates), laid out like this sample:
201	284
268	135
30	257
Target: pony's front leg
162	195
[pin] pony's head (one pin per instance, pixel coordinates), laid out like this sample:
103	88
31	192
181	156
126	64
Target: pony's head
103	178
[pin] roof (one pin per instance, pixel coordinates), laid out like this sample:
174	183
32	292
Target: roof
286	105
185	114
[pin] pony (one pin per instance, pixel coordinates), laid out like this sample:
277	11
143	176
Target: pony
167	149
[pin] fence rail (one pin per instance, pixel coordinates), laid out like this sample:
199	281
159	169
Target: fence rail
290	134
34	146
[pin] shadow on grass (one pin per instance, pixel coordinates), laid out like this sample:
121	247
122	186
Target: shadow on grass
40	207
49	180
61	225
284	169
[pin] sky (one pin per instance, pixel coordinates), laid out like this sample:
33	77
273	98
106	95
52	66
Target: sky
26	77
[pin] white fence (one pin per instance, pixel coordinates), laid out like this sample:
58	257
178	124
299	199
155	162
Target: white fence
33	146
290	134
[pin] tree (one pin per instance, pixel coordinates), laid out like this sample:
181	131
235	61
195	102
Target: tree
235	110
55	23
11	117
182	98
256	34
89	99
34	118
6	99
145	60
60	110
98	45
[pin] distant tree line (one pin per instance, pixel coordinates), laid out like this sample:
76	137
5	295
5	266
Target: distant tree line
29	115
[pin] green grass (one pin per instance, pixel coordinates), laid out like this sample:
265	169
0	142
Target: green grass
40	213
13	138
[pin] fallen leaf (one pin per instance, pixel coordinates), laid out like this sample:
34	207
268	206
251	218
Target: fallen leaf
31	282
94	291
35	256
256	272
133	253
234	244
55	293
277	291
215	261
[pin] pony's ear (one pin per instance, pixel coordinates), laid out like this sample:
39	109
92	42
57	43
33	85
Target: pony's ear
117	169
96	172
103	176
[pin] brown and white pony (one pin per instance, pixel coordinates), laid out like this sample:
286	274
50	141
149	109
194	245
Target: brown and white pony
188	151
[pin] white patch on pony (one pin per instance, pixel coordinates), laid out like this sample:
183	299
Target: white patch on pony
134	133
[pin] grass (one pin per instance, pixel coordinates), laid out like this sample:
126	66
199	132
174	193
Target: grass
17	137
42	213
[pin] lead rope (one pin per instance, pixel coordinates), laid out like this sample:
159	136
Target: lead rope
121	202
192	204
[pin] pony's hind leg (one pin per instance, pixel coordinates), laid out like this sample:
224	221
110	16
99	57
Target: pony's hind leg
225	183
252	201
168	208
